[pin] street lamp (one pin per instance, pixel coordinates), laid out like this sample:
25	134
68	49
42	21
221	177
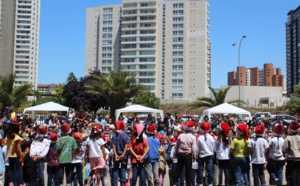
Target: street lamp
239	62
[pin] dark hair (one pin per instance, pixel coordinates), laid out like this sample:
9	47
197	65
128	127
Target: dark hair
140	138
24	145
225	140
12	130
95	134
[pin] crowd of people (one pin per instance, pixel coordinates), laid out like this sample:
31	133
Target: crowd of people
97	150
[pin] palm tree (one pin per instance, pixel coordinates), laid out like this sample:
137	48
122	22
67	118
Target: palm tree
116	87
11	95
219	98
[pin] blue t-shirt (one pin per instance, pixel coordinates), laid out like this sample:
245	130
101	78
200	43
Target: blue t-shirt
154	144
120	140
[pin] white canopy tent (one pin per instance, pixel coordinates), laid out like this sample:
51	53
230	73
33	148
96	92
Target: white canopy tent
140	109
50	106
226	108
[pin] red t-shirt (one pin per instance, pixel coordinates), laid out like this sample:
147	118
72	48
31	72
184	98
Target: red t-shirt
138	148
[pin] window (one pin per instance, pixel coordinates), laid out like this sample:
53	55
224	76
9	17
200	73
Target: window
130	32
130	5
130	19
177	60
147	32
129	12
129	60
129	53
147	11
22	62
147	52
147	66
177	32
107	16
178	26
128	67
147	45
178	5
178	46
177	19
177	67
130	39
177	74
147	39
177	53
147	18
177	88
177	12
146	73
106	10
144	25
22	72
107	23
177	39
106	69
147	60
23	37
106	55
106	42
106	62
146	80
130	26
106	49
147	4
177	95
129	46
106	36
177	81
107	29
22	57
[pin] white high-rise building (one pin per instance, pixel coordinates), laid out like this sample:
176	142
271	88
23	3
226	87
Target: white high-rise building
165	43
19	39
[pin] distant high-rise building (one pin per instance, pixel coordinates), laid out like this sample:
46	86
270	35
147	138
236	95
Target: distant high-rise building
165	43
19	39
292	29
268	76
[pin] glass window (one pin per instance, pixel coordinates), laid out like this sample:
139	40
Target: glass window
107	16
178	26
177	60
107	23
177	81
177	88
106	55
177	12
178	5
177	67
177	53
177	74
107	42
106	62
177	95
106	36
177	19
107	29
106	10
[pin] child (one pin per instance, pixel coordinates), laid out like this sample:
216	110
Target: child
14	154
52	163
161	164
239	149
151	163
276	159
205	144
138	147
291	146
66	145
120	142
258	147
222	148
28	164
77	159
95	153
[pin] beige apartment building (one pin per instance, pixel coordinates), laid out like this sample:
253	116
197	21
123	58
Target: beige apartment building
19	39
165	43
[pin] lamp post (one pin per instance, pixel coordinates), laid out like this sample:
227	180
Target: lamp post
239	63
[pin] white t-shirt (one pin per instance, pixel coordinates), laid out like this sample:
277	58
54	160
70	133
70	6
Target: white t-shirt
258	146
95	148
222	150
276	144
205	144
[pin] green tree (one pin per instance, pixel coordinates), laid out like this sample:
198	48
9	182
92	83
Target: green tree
147	99
116	87
11	95
218	98
293	105
59	98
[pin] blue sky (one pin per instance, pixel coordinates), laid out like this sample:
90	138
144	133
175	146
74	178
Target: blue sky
62	36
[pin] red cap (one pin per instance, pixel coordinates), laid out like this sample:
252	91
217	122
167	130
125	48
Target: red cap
151	129
120	125
242	129
97	127
42	130
65	128
77	136
294	126
259	130
53	136
224	127
278	130
190	125
205	126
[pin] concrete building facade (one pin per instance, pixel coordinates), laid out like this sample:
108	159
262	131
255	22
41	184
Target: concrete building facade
165	43
19	39
258	96
268	76
292	29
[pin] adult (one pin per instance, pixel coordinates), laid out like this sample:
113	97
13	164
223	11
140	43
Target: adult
168	120
101	120
185	152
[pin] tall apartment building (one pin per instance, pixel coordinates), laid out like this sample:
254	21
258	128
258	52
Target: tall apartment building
268	76
19	39
292	29
165	43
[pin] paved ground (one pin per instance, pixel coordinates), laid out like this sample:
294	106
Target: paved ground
167	181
